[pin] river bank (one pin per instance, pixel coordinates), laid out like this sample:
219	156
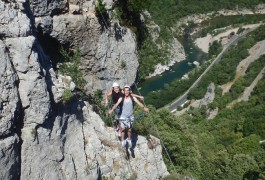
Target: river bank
204	42
178	70
195	49
199	18
177	54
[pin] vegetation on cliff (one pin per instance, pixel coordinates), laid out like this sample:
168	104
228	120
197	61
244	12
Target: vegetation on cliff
230	146
167	13
225	71
226	147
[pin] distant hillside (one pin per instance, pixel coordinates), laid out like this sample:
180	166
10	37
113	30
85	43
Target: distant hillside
229	145
166	14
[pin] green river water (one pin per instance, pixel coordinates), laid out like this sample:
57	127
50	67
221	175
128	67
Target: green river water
176	71
193	53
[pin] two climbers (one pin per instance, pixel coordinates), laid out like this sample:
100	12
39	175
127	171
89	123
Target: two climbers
115	94
126	117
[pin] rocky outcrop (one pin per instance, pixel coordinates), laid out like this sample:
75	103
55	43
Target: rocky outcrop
9	100
176	54
117	58
9	157
176	50
40	136
103	47
75	144
52	7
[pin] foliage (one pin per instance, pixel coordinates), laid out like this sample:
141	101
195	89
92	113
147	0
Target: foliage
214	49
100	8
70	67
123	64
240	30
67	95
225	71
236	20
101	13
128	13
226	147
167	13
98	106
33	131
175	89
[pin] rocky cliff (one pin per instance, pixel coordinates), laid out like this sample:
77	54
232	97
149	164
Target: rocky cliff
41	137
103	45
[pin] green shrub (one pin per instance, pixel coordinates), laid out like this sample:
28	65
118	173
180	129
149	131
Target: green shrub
67	95
99	107
123	64
33	131
100	8
70	67
240	30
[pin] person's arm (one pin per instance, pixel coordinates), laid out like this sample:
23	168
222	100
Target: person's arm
140	104
137	96
115	105
107	98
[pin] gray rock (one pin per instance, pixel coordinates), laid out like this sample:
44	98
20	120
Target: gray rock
109	153
64	141
117	59
9	94
77	144
48	7
44	23
9	158
103	53
32	85
14	23
109	4
56	150
211	114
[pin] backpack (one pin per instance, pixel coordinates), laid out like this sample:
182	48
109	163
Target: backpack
123	100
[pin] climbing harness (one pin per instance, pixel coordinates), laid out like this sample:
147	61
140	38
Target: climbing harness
137	117
113	123
156	129
128	122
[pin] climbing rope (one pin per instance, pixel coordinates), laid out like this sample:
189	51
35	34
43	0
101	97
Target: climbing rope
141	115
103	64
157	132
113	124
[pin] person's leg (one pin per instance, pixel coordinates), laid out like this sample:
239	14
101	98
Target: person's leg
119	128
130	134
123	142
129	139
122	134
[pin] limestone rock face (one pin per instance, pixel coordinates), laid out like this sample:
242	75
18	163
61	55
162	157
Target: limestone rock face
117	58
9	95
40	136
9	158
32	86
14	23
48	7
75	144
103	49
